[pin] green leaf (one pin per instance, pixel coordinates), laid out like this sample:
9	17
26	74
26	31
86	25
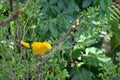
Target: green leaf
53	30
1	6
96	2
81	74
85	73
77	51
90	42
90	60
77	8
45	9
86	3
33	26
53	1
45	28
55	9
76	77
110	1
61	5
96	56
104	5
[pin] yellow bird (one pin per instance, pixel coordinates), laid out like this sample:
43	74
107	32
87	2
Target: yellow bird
38	48
27	45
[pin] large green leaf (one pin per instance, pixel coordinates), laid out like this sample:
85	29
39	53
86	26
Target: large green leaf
81	74
95	57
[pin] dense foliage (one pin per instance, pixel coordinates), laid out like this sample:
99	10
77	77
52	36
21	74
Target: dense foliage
84	35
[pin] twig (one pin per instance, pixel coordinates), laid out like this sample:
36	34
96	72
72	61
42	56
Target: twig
15	15
73	28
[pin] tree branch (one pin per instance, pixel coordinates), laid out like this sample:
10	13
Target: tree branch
73	28
15	15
